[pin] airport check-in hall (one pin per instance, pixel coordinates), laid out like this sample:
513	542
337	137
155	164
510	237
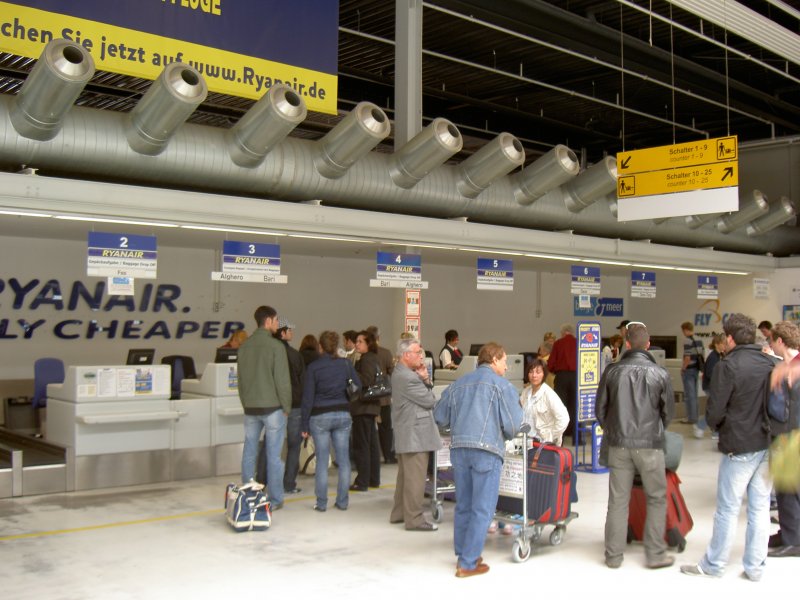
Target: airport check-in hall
498	170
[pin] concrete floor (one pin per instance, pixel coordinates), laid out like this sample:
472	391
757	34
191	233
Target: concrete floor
171	541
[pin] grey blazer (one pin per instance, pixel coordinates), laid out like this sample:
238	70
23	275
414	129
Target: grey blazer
412	413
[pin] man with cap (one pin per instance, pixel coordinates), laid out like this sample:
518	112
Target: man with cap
294	437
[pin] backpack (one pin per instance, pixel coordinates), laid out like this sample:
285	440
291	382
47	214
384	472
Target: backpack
700	357
246	507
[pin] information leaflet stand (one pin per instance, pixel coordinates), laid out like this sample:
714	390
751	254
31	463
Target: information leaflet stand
589	434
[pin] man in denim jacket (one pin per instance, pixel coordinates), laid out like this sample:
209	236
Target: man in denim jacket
482	410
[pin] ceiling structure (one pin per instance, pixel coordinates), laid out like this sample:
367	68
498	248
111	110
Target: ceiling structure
599	77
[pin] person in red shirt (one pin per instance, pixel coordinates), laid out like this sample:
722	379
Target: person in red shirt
562	362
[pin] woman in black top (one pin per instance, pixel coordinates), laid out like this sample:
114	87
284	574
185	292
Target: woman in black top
366	449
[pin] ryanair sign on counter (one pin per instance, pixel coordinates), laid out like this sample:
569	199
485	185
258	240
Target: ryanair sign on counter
240	47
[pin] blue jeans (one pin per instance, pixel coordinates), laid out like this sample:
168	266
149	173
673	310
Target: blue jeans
324	427
274	426
477	477
689	378
740	474
293	442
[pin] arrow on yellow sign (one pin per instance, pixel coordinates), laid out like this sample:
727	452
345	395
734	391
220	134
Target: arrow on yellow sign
686	179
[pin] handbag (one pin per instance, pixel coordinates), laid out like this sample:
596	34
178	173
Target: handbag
381	388
353	390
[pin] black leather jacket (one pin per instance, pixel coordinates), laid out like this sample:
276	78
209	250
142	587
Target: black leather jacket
737	400
635	402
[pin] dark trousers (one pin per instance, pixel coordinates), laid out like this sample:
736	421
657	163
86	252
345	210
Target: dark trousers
386	434
789	517
565	387
366	452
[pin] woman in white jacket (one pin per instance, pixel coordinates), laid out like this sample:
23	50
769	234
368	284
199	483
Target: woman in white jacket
543	409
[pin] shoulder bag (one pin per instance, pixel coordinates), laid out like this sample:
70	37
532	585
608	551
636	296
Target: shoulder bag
381	388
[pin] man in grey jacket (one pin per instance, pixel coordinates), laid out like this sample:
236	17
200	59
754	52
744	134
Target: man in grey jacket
635	404
415	434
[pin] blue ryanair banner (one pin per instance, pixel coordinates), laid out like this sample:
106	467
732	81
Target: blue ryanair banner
240	47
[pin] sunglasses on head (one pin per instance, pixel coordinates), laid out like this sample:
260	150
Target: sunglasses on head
634	323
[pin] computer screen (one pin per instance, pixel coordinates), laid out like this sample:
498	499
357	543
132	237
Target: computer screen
226	355
474	349
140	356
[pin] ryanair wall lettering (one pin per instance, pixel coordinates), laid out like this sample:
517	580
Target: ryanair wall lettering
50	295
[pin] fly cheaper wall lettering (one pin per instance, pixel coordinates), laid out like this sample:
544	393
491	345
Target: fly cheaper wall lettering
38	308
240	47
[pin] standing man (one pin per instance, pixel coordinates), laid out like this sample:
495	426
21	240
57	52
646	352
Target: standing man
785	342
349	341
415	434
635	403
450	356
690	369
736	408
562	363
385	434
294	434
482	410
265	391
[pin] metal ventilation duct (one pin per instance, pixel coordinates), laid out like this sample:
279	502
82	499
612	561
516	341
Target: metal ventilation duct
340	170
57	79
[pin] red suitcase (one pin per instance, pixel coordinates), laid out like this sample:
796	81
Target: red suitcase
679	521
550	485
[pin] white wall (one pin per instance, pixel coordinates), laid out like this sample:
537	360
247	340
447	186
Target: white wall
334	293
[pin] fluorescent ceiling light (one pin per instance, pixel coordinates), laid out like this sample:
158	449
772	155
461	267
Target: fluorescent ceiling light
329	238
122	221
485	251
232	230
732	272
433	246
664	267
22	213
606	262
553	257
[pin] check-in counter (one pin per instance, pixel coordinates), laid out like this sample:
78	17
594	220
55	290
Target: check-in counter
219	387
117	419
515	372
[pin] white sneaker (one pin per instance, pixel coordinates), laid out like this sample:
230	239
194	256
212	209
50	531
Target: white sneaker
698	433
492	527
715	436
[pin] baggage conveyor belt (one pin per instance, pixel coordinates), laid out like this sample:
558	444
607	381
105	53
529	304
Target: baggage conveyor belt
30	466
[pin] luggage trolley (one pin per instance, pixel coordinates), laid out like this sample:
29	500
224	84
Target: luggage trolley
513	488
441	460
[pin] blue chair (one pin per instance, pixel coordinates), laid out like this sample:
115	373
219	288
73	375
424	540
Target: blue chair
45	370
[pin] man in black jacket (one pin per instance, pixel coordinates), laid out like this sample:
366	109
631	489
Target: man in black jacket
294	437
737	410
635	404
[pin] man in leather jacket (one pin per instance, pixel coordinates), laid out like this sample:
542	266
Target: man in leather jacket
737	410
635	404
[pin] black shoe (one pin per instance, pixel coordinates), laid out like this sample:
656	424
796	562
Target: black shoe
295	490
391	461
358	488
784	551
775	540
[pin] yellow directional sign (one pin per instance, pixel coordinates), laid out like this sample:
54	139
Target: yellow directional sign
703	152
684	179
